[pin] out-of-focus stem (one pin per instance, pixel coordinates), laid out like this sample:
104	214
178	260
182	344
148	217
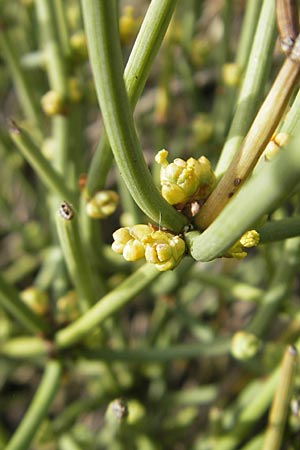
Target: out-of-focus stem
280	406
106	60
38	408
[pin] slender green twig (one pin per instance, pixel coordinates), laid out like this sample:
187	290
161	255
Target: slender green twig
48	175
38	408
24	88
278	290
281	402
107	306
10	301
25	348
249	415
101	27
217	347
62	27
278	230
253	84
247	33
54	60
137	69
75	256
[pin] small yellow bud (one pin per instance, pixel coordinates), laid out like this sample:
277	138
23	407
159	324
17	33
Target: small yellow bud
130	241
244	345
164	250
75	92
161	158
67	308
133	250
136	412
271	150
282	139
274	145
121	237
199	51
235	251
231	74
102	204
36	299
250	239
52	103
185	181
79	45
202	128
48	148
128	25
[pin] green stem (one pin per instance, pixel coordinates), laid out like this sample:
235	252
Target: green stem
107	306
279	230
253	85
281	402
10	301
247	33
279	289
54	59
137	69
23	87
249	415
142	355
48	175
62	27
271	184
235	288
66	442
38	408
24	348
106	60
76	259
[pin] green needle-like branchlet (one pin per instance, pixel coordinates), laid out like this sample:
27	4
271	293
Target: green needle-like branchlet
106	60
76	259
38	408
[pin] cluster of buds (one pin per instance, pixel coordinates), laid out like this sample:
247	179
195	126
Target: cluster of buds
244	345
36	299
53	104
158	247
248	240
274	145
102	204
184	182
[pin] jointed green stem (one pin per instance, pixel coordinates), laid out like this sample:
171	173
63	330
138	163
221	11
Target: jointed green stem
24	88
107	306
281	402
76	260
38	408
54	59
105	53
253	84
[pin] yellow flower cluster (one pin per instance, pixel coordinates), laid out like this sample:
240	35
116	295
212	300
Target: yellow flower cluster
158	247
102	204
248	240
185	181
